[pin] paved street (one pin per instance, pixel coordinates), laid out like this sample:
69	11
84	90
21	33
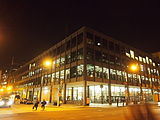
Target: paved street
69	112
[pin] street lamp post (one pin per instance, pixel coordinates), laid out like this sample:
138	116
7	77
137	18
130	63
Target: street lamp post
132	68
47	63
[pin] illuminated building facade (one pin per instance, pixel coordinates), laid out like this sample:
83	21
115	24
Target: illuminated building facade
89	64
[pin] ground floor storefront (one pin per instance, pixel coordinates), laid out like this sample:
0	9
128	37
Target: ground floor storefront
94	92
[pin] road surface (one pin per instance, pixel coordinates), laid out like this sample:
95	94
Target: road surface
25	112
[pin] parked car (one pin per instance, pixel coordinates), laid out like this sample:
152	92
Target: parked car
23	101
26	101
29	101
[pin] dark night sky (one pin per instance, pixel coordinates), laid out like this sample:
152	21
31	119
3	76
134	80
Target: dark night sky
28	27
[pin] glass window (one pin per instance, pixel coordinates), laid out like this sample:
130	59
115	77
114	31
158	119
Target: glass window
132	54
53	77
80	54
111	46
62	60
73	42
80	70
57	76
67	73
117	60
119	75
122	49
90	54
124	76
141	67
104	43
68	58
62	74
112	74
90	70
73	56
98	71
105	73
62	48
58	50
111	59
90	40
68	45
57	62
117	48
98	56
105	58
73	72
130	78
80	38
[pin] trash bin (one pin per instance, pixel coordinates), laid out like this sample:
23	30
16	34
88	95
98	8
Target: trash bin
88	101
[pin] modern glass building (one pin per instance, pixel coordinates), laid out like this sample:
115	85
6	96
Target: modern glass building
89	64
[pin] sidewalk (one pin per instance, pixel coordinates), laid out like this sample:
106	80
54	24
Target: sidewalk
92	105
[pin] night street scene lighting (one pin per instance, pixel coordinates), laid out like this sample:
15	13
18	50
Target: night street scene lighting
79	60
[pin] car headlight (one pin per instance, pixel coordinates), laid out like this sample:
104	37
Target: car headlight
9	103
1	103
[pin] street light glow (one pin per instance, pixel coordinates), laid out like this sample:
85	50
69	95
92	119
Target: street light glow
9	88
47	63
1	90
134	67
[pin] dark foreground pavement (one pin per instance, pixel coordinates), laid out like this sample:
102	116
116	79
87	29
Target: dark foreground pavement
120	113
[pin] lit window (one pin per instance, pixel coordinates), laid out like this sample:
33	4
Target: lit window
127	54
141	67
136	58
90	70
147	60
144	60
132	54
98	72
140	58
80	70
149	71
154	64
30	66
62	74
150	60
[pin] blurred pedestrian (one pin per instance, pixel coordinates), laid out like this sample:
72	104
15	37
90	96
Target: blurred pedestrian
35	105
141	112
43	103
123	101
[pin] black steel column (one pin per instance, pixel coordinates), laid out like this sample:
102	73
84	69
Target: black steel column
33	94
64	94
72	93
50	99
40	97
109	90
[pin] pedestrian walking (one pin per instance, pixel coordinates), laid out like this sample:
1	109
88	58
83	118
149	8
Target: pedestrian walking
43	103
123	101
35	105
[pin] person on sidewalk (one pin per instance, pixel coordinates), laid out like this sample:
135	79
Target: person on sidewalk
35	105
43	103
